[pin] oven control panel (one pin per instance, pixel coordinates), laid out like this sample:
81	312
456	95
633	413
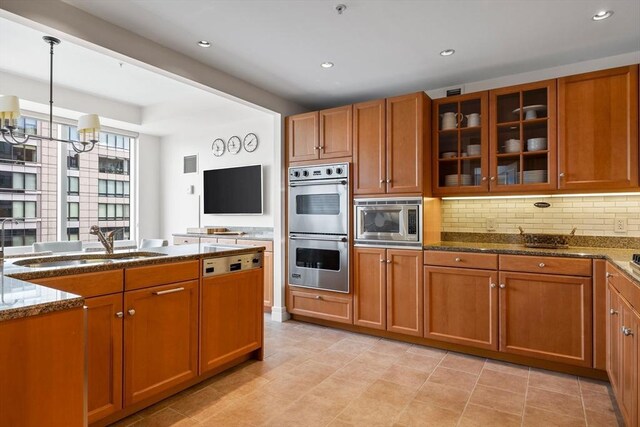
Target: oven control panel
330	171
230	264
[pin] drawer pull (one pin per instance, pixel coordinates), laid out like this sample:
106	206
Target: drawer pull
168	291
612	312
502	286
609	275
382	181
492	285
541	265
388	261
458	259
318	296
131	312
383	260
119	314
627	331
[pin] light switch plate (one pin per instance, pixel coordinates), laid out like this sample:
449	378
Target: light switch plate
190	189
620	225
491	224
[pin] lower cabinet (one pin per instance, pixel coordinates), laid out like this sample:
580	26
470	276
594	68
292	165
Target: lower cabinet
332	306
231	324
461	306
388	290
267	263
547	317
104	355
160	339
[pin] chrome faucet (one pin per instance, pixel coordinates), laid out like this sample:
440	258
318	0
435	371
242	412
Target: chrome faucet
4	221
107	241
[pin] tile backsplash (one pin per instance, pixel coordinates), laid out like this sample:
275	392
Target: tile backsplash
592	215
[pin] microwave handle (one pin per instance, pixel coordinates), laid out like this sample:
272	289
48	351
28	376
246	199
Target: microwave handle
309	183
326	239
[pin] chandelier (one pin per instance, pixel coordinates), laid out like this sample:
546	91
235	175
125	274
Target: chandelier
88	125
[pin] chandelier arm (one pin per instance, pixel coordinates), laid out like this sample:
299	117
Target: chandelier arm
16	141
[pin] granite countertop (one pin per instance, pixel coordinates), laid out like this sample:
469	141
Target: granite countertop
20	298
246	236
619	257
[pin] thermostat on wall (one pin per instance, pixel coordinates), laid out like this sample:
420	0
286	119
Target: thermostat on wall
190	189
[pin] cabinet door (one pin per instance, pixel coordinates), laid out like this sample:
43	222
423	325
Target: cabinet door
104	355
336	132
232	317
628	395
267	265
370	288
406	123
302	137
522	154
546	316
613	338
598	130
160	339
461	306
460	148
404	292
369	152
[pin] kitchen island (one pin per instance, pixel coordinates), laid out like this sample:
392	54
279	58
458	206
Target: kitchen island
144	321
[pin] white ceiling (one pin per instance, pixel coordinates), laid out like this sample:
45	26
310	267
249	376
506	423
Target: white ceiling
379	47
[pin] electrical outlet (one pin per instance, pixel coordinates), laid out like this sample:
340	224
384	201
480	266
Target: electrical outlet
491	224
620	225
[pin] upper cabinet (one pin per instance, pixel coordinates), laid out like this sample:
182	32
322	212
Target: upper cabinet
523	138
322	134
598	130
389	140
460	135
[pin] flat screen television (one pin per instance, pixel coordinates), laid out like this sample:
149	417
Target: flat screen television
233	190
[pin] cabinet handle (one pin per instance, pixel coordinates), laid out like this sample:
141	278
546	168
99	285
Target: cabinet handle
484	178
119	314
492	285
541	265
131	312
612	312
382	181
388	261
502	286
493	178
168	291
383	260
322	147
458	259
627	331
388	181
318	296
561	174
609	275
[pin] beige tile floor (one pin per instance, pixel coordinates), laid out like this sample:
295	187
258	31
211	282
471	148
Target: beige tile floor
316	376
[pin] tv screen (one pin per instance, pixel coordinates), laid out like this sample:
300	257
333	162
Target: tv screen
233	190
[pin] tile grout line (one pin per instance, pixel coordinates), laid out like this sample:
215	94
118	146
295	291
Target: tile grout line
526	393
471	393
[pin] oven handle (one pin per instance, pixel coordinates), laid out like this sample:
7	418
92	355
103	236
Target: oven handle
310	183
325	239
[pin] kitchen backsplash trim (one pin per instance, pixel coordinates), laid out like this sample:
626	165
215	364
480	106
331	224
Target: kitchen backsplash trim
576	241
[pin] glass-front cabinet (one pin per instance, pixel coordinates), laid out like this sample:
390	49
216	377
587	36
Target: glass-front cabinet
461	144
523	137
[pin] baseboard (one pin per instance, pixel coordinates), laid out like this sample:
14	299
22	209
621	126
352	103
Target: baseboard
279	314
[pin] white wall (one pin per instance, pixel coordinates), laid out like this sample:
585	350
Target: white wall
180	210
148	187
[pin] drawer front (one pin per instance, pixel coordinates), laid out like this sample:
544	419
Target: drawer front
546	265
86	285
628	290
226	241
178	240
461	259
209	240
155	275
268	244
322	306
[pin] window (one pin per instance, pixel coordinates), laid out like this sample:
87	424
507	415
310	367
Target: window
109	187
73	234
73	211
18	153
17	209
113	165
73	186
112	211
17	180
115	141
122	233
73	161
19	237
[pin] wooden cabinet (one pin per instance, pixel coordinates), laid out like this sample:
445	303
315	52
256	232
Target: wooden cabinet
369	148
404	292
160	339
104	355
522	152
232	318
598	130
267	265
183	240
461	306
546	316
42	376
628	386
614	308
460	148
322	134
370	288
302	136
333	306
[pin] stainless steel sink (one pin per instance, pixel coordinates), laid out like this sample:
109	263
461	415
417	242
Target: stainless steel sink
83	259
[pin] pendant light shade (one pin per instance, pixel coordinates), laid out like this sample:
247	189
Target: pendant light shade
9	107
89	127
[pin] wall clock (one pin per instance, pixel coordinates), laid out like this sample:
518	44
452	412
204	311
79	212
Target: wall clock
250	142
218	147
234	145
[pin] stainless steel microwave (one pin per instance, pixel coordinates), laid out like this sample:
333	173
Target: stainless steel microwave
395	222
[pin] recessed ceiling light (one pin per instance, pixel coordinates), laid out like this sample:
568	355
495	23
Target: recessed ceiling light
326	64
204	43
447	52
603	14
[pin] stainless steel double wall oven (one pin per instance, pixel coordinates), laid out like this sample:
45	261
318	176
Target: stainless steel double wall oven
319	203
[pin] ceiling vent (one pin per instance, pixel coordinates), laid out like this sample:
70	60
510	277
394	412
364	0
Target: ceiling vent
191	164
454	91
